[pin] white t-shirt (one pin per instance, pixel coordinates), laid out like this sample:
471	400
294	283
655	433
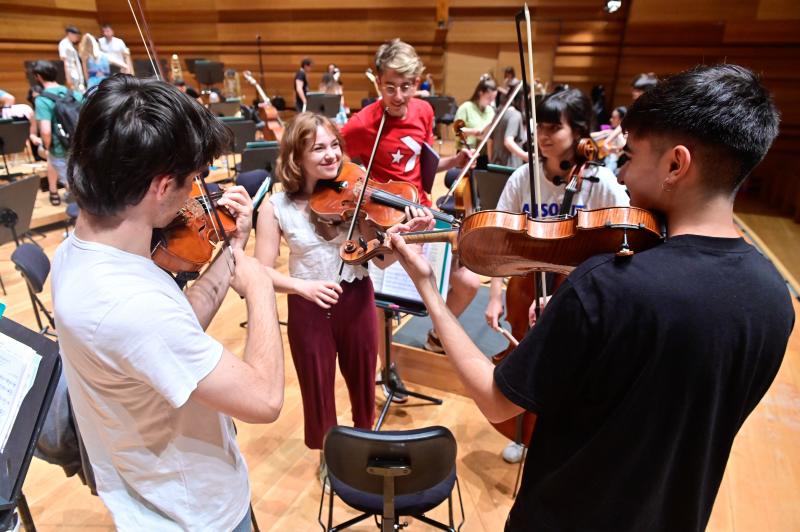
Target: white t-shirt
606	192
133	352
311	257
68	54
114	48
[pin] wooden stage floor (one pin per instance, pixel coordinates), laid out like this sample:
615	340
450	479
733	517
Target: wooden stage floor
760	491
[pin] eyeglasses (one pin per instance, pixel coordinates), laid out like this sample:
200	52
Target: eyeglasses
405	88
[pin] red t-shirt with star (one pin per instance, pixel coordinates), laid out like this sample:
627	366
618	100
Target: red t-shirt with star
400	147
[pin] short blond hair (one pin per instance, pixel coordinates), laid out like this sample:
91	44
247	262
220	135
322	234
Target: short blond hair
300	132
399	56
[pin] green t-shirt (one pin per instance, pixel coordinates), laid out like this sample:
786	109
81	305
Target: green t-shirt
45	110
474	118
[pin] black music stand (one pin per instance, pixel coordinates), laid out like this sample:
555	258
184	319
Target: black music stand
324	104
209	72
190	61
143	68
227	109
16	210
392	305
18	452
13	137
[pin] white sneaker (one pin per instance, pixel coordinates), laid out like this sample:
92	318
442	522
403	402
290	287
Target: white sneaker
513	452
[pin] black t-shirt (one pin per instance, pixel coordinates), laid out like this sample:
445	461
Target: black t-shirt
301	75
642	370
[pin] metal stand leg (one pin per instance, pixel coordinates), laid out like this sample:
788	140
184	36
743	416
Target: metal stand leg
25	514
393	389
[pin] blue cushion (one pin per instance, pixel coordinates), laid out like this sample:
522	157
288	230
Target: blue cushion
411	504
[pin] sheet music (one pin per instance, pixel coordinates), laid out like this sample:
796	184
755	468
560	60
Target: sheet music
18	366
394	281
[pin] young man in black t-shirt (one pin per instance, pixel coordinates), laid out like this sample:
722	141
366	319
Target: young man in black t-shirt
643	369
301	85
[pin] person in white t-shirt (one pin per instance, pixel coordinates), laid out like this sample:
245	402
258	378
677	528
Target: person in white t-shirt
115	48
73	70
151	391
563	118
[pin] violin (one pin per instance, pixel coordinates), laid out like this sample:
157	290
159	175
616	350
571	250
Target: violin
463	197
334	201
503	244
187	243
273	129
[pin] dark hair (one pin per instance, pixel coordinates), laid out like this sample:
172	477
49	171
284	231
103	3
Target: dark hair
509	70
722	113
621	111
46	69
105	25
179	83
572	104
485	84
306	62
644	82
72	29
34	89
132	130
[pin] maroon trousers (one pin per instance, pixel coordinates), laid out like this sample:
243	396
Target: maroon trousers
315	339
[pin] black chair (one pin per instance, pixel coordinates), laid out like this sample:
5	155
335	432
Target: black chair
490	184
444	112
34	266
391	474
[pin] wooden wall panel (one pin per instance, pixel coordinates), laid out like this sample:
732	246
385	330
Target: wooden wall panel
763	35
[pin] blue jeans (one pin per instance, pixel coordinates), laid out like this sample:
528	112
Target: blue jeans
244	524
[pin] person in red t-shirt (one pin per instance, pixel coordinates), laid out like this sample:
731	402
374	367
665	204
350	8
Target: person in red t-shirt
409	124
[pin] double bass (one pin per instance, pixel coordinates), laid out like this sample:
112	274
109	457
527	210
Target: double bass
273	129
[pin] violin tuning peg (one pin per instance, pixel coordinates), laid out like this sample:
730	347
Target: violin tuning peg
362	243
381	236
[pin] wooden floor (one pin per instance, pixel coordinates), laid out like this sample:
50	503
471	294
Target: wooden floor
760	491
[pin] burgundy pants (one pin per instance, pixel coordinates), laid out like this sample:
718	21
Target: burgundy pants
315	339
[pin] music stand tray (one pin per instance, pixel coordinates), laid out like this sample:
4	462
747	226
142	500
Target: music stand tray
18	452
142	68
324	104
209	72
16	208
13	137
224	108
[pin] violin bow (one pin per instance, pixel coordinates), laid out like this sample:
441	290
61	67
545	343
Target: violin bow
533	138
484	140
152	56
362	193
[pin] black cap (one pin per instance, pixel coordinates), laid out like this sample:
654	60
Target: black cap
72	29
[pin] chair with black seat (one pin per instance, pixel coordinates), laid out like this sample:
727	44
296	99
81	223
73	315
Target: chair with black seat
490	183
34	266
391	474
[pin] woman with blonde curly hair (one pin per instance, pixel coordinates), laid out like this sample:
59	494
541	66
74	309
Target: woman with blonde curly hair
96	63
326	318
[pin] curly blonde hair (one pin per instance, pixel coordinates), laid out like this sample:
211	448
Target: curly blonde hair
399	56
297	137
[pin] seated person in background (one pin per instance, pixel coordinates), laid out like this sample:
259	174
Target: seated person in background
616	139
6	99
510	136
153	394
425	87
510	81
45	74
642	83
564	118
21	110
642	370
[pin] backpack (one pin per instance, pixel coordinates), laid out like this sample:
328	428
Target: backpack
65	116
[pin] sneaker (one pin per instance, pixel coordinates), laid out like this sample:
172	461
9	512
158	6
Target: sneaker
323	478
513	452
397	383
433	344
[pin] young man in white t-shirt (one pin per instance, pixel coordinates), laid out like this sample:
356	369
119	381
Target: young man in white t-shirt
114	47
152	392
73	70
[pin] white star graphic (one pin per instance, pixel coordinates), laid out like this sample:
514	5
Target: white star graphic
397	157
